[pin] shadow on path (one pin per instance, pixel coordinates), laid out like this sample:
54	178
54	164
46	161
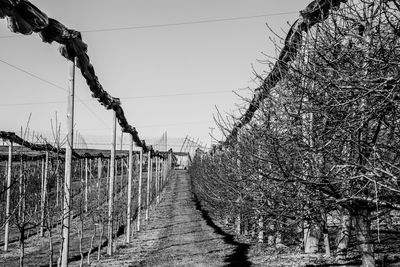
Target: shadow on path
239	256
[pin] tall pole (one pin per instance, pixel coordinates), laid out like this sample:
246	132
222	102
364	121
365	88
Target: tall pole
45	170
111	187
128	212
162	171
8	196
149	167
99	172
68	164
86	184
42	201
122	140
140	190
157	178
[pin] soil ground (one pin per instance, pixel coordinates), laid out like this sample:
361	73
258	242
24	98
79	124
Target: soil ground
177	235
181	233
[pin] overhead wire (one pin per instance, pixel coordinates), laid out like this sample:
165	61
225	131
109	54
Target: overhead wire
112	29
49	83
128	97
33	75
187	22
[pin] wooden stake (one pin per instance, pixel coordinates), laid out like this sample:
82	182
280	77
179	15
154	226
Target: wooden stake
111	188
20	187
149	167
122	174
45	165
86	184
68	165
130	177
157	178
140	190
8	196
90	174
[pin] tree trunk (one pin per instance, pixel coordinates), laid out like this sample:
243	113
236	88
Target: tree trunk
312	234
363	226
91	243
81	241
22	246
100	240
325	233
271	236
238	224
278	239
326	242
343	235
388	220
51	253
261	229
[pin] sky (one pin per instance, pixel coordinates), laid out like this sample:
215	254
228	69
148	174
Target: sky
171	62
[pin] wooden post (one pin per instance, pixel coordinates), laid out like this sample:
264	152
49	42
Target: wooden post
148	184
108	169
157	178
90	174
165	171
8	196
161	175
99	170
20	187
41	200
122	174
122	140
86	184
81	169
68	165
169	164
130	177
45	164
57	181
139	190
111	188
121	181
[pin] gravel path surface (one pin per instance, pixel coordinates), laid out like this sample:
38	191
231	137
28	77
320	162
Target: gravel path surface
179	233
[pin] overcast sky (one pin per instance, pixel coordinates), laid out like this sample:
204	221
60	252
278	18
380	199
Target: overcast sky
196	64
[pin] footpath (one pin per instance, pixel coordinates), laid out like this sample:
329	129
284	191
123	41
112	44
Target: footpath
179	233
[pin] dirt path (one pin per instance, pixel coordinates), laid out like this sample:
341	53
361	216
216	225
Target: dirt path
179	233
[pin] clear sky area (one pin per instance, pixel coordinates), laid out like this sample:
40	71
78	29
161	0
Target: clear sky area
171	62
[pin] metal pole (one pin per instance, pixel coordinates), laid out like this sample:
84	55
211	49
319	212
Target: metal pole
68	164
8	197
149	167
140	189
111	187
128	213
